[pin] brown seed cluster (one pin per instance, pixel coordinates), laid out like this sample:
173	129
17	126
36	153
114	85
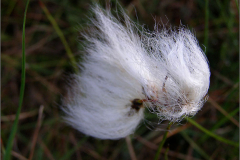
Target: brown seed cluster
137	104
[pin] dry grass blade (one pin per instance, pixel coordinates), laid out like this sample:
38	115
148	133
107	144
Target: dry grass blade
195	146
22	116
116	152
234	87
92	153
174	131
46	150
35	135
19	156
155	147
219	108
171	133
49	85
74	141
38	45
221	77
130	148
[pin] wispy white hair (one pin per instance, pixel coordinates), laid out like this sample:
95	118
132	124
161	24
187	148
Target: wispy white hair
124	72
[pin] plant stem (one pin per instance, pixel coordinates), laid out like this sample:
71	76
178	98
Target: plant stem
60	34
236	144
162	142
130	148
7	154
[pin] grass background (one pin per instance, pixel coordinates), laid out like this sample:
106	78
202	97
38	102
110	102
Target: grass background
42	135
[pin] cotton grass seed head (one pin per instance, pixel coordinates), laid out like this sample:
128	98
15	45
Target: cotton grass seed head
126	70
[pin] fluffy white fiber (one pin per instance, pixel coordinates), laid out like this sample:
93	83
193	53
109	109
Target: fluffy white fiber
165	70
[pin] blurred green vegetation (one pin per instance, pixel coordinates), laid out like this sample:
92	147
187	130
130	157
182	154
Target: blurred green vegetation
48	67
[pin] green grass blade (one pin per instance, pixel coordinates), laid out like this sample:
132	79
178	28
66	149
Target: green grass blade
166	154
206	29
7	154
162	142
220	123
195	146
60	34
236	144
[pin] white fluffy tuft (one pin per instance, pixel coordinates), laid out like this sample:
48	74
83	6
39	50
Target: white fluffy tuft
164	69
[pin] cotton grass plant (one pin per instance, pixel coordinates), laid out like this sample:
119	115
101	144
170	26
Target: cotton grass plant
212	133
126	70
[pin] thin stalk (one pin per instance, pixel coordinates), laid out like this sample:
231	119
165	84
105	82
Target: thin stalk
7	154
225	113
236	144
130	148
166	154
195	146
60	34
218	124
162	142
